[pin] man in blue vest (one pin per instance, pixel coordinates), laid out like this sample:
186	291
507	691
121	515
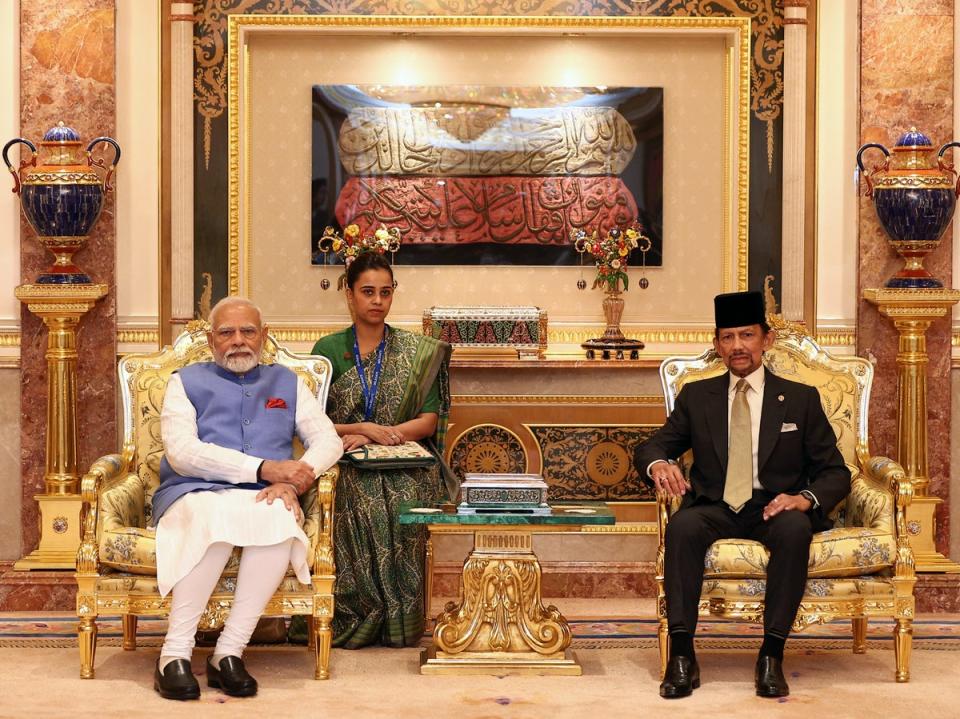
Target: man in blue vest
228	428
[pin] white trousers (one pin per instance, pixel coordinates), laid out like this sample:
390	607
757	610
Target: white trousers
261	570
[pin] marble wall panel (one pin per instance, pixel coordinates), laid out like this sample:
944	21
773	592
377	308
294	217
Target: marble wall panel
906	80
10	464
67	59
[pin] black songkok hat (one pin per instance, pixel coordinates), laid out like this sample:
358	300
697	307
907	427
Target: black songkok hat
739	309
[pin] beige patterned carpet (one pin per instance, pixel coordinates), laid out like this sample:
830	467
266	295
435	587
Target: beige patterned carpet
614	643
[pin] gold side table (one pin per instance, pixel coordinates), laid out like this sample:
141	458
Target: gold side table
60	307
912	311
500	625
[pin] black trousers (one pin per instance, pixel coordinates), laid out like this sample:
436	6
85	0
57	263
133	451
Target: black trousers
692	530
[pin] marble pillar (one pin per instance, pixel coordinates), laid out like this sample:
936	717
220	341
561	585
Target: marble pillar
67	61
906	80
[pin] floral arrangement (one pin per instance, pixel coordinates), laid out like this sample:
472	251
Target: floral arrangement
610	253
352	244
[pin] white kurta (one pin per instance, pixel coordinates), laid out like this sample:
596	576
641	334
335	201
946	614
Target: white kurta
197	520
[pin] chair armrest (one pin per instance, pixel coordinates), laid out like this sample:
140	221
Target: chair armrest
104	472
317	504
885	473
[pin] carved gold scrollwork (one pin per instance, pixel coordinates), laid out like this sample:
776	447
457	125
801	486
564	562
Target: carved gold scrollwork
501	611
214	615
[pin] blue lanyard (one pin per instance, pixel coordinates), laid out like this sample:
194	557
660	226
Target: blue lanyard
369	391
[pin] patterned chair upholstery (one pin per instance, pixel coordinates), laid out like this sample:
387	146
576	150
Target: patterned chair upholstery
864	566
116	563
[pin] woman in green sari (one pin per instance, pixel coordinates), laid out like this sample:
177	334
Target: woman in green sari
389	386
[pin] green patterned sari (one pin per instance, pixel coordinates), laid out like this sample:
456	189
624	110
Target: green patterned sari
380	564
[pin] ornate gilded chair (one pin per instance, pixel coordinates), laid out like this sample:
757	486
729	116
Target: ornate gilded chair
861	568
116	563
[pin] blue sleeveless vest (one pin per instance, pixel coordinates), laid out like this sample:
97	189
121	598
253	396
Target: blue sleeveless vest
232	412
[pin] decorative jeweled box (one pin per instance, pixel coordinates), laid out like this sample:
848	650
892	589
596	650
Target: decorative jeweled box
489	330
514	493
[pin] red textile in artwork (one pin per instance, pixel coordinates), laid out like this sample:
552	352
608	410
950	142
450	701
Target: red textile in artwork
505	209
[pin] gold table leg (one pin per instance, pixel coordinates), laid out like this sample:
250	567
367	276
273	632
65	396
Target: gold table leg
500	625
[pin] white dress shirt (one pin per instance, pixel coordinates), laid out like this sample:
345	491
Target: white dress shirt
756	381
189	457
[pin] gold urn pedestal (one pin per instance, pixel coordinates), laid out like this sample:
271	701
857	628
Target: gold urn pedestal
912	311
500	626
60	307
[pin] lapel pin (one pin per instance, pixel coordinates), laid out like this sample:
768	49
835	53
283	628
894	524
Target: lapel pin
780	397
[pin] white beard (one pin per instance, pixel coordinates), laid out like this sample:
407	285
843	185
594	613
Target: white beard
240	362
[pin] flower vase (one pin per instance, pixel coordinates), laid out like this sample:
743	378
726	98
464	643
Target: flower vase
613	345
612	312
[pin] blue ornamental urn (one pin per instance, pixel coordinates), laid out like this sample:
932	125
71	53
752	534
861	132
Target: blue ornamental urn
914	192
62	196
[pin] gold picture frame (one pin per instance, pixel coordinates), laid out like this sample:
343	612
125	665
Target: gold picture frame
382	46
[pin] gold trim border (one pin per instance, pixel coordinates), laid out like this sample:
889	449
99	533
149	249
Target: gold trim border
642	399
737	75
665	335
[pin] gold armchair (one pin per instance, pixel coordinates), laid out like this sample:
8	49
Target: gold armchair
116	562
861	568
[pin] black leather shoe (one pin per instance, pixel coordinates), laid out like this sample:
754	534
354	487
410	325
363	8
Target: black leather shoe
769	678
231	676
176	681
681	678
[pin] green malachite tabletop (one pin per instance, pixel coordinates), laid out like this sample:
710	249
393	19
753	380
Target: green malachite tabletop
577	513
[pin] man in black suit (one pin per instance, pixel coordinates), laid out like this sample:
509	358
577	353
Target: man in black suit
773	477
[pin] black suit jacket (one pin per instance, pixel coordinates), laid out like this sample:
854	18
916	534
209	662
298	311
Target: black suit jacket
787	461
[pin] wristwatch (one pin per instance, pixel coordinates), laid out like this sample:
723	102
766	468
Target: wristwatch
811	497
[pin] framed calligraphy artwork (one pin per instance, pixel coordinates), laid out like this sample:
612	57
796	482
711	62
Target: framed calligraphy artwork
491	175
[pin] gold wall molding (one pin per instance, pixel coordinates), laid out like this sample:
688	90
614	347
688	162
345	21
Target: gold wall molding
311	333
556	399
139	336
837	337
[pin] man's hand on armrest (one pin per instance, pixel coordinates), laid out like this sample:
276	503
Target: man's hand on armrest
292	471
668	479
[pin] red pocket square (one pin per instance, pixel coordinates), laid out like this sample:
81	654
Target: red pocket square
276	403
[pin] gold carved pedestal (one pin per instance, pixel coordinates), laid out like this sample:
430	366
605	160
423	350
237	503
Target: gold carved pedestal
500	625
60	307
912	311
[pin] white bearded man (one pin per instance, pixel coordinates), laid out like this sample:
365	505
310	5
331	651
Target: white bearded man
228	428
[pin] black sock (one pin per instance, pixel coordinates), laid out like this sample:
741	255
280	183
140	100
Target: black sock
681	645
772	646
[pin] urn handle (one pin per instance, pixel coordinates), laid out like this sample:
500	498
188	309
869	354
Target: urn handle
947	166
23	163
876	168
99	162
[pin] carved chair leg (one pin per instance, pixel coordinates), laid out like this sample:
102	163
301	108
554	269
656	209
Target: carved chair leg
311	635
87	637
859	635
663	640
902	645
129	632
322	647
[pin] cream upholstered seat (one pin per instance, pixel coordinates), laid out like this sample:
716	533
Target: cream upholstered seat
116	563
861	568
